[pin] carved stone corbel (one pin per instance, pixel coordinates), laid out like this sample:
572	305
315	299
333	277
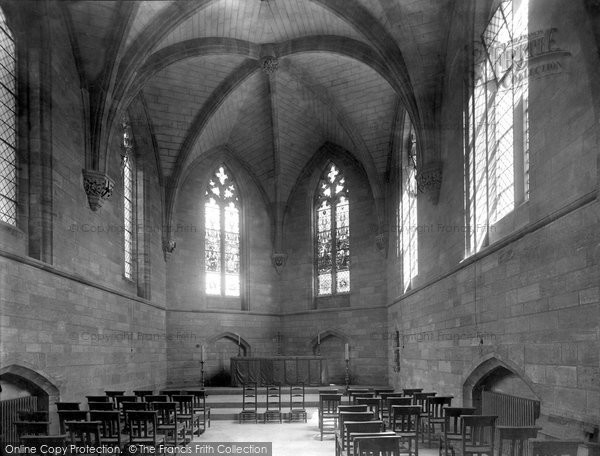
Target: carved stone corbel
381	242
168	245
98	187
279	260
429	181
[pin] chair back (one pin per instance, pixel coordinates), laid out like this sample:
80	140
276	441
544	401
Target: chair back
142	393
113	394
353	416
250	396
126	406
394	400
156	398
353	408
169	393
142	426
409	392
28	415
452	424
120	399
372	403
110	425
434	405
84	432
166	412
383	390
478	430
363	426
378	446
274	397
297	397
67	406
106	406
199	398
185	403
98	398
420	399
405	418
515	439
328	403
70	415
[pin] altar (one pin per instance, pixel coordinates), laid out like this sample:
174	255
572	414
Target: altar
284	370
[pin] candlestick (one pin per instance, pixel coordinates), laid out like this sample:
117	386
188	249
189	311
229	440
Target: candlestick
202	353
347	352
319	339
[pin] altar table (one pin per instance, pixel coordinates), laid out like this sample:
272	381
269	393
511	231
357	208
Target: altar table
285	370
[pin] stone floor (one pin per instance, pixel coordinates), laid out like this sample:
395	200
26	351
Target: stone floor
288	439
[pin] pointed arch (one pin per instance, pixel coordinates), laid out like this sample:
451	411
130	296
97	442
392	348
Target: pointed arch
486	366
326	334
245	348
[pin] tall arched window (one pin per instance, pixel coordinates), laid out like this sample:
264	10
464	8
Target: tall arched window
129	199
332	216
8	130
497	124
408	209
222	235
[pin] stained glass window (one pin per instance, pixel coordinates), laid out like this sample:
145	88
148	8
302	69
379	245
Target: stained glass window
497	153
332	208
8	131
222	235
408	209
128	162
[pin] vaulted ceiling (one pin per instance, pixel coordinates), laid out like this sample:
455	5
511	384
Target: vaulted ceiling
269	80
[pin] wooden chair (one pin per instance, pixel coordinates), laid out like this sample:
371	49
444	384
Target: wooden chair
360	395
186	414
434	415
345	417
406	420
70	415
110	427
200	405
132	406
120	399
391	402
103	406
169	393
378	446
353	392
143	427
98	398
84	433
451	429
409	392
142	393
29	415
477	435
68	406
297	403
328	412
168	423
273	407
356	427
46	441
513	440
249	403
373	403
113	394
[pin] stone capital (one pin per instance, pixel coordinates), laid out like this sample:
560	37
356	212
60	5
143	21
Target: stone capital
168	246
98	187
429	181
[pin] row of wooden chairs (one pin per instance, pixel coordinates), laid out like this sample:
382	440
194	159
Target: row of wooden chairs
114	400
273	407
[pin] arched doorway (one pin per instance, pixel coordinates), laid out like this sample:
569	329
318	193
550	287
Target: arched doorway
22	388
330	345
220	350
